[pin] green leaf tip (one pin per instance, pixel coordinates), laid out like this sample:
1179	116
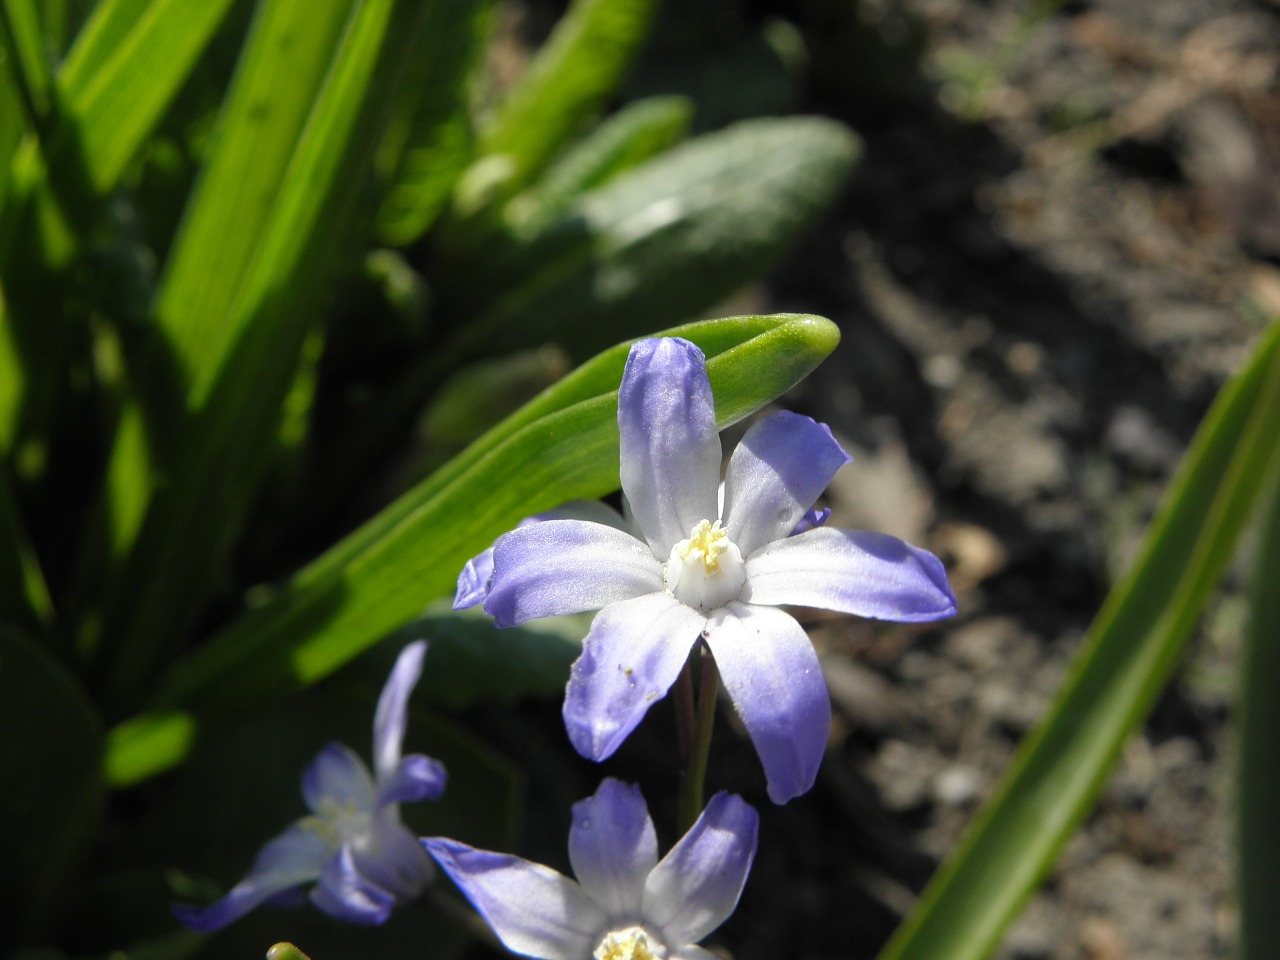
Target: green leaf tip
286	951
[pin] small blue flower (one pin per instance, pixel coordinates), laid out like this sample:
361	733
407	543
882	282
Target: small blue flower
625	905
353	843
701	566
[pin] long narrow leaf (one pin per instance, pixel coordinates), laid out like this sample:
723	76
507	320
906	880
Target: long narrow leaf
193	522
1258	836
568	81
562	446
1126	659
24	42
24	600
111	109
434	139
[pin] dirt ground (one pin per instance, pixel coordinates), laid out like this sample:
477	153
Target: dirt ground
1063	237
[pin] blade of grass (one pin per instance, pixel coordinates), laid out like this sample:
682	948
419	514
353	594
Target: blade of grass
195	518
24	599
1258	764
112	109
561	446
24	43
1127	657
579	66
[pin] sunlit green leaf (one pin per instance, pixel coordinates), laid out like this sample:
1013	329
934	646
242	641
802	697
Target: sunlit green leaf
1127	657
567	83
430	140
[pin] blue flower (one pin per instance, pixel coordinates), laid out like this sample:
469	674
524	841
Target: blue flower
353	842
625	905
697	569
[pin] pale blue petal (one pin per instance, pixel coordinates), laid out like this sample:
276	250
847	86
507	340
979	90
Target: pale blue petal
295	857
631	656
393	705
474	581
612	847
337	774
345	893
670	448
812	518
567	566
777	471
696	886
771	673
417	777
533	910
853	571
391	857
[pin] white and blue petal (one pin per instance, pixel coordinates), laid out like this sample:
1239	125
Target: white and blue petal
416	777
473	581
776	472
613	847
338	777
771	673
477	574
670	447
391	858
295	857
566	566
696	886
347	894
534	910
852	571
393	704
631	656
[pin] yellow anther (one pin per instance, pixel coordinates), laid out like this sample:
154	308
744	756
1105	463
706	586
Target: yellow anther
630	944
707	541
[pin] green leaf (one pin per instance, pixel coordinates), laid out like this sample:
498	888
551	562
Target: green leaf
562	446
24	43
431	139
1126	659
225	447
665	241
635	134
118	84
51	786
1258	763
24	599
567	83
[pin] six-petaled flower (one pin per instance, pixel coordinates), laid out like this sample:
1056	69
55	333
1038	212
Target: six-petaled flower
696	570
625	905
353	842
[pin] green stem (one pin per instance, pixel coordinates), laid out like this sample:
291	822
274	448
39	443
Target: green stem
683	700
693	781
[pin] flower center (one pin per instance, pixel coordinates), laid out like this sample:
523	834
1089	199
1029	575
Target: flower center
337	822
633	943
705	571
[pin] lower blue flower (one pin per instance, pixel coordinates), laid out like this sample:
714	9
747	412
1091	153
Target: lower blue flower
363	860
625	904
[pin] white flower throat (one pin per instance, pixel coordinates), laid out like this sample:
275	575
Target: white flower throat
632	943
705	571
339	822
